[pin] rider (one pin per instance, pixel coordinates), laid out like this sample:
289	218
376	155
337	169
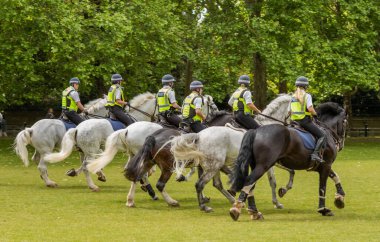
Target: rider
71	102
242	105
166	101
301	110
116	101
192	108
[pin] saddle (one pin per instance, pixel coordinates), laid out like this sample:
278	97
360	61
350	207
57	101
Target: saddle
307	138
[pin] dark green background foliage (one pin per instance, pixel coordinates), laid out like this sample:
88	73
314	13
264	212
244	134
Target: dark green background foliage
45	43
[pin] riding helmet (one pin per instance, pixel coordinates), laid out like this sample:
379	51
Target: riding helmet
244	79
116	77
302	81
74	80
167	78
195	85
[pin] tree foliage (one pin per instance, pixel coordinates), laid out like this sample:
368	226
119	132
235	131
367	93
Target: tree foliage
44	43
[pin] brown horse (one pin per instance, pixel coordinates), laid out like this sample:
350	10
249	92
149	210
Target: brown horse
264	147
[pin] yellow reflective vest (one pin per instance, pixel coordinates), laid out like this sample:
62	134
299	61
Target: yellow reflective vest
298	111
188	107
163	101
111	96
239	103
68	102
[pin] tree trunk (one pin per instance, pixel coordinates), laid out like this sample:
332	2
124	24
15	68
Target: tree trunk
188	75
260	84
283	87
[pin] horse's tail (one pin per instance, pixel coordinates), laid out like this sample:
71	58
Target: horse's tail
68	142
185	148
144	153
244	158
23	138
114	143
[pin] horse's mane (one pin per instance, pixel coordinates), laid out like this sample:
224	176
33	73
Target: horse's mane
329	108
273	106
140	99
96	104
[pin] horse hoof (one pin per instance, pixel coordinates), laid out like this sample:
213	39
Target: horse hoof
206	209
325	212
257	216
234	213
95	189
52	185
282	191
278	205
130	204
155	198
102	178
339	201
71	172
181	178
174	204
144	188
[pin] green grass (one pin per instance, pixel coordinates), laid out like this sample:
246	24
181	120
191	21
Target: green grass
32	212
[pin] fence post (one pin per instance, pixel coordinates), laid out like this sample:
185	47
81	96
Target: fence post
365	129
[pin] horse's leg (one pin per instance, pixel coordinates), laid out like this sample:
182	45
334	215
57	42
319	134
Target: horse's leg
218	184
324	172
36	156
200	173
252	209
131	195
42	167
74	172
90	182
164	178
272	183
339	195
147	187
199	186
249	184
282	191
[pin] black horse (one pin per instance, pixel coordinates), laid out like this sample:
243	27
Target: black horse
270	144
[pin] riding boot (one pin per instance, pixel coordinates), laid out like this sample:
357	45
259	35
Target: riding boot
316	155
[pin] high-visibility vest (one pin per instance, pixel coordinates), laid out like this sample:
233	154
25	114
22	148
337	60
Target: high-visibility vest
163	101
188	107
239	103
298	111
111	96
68	102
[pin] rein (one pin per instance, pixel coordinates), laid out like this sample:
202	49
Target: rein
143	112
270	117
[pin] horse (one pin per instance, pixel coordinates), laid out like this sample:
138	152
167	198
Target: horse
45	135
156	150
130	140
89	136
264	147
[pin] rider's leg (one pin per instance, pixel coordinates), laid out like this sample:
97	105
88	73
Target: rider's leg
74	117
246	121
173	119
121	116
307	124
197	127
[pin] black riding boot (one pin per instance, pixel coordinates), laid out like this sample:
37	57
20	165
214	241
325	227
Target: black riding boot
316	155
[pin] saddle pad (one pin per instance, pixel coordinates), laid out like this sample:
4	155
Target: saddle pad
68	124
116	124
307	139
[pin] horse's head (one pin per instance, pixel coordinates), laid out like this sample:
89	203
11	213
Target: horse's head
277	109
209	108
334	118
143	107
141	163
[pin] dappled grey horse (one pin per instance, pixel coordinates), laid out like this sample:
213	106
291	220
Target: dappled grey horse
45	135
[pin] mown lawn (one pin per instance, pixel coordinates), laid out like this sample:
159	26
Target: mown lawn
32	212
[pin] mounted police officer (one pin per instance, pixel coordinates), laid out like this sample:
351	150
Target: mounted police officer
166	101
116	101
71	102
242	104
301	110
192	108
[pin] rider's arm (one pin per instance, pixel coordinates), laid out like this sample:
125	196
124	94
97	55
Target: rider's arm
253	107
176	106
248	99
198	102
118	97
309	105
173	101
80	106
75	96
198	111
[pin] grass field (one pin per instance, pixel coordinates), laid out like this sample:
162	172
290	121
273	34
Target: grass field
32	212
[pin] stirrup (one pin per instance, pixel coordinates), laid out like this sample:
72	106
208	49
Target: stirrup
316	158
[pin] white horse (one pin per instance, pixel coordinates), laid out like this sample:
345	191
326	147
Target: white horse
44	136
90	135
216	148
130	140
